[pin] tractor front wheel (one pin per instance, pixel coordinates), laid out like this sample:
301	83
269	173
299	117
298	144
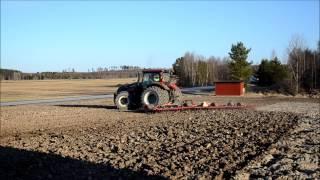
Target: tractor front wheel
154	96
122	101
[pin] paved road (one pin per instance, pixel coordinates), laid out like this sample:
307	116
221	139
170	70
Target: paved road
198	90
193	90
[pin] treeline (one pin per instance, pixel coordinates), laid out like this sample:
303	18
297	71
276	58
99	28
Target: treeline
10	74
196	70
99	73
304	66
301	73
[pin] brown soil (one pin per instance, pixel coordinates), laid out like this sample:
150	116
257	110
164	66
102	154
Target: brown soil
91	140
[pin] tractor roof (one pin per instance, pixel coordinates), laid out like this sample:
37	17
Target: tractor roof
154	71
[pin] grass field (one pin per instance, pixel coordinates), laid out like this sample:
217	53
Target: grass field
47	89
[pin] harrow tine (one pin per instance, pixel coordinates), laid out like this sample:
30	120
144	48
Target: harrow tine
202	106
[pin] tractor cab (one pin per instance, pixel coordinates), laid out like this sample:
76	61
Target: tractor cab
150	76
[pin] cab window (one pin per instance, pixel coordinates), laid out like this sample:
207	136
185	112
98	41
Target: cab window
151	77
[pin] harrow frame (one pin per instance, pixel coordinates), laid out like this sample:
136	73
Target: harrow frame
203	106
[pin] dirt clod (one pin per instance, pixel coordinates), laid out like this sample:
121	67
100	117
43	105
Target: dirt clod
197	144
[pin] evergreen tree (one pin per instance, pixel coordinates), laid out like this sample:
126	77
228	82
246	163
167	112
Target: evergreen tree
240	68
271	72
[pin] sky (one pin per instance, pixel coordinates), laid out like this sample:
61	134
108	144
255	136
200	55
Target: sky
39	36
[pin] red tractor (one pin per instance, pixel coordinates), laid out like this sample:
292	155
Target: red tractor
154	88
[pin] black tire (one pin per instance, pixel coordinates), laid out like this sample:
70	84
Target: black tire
122	101
177	97
154	96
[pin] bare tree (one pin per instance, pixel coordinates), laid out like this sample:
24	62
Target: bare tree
197	70
295	58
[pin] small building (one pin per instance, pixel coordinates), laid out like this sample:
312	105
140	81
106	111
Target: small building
229	88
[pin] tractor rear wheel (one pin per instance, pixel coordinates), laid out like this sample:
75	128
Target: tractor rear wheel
154	96
122	101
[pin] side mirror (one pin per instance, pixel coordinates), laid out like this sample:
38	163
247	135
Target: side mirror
139	76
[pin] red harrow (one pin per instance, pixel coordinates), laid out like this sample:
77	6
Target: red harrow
190	105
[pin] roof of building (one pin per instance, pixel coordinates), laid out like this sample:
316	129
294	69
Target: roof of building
229	81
